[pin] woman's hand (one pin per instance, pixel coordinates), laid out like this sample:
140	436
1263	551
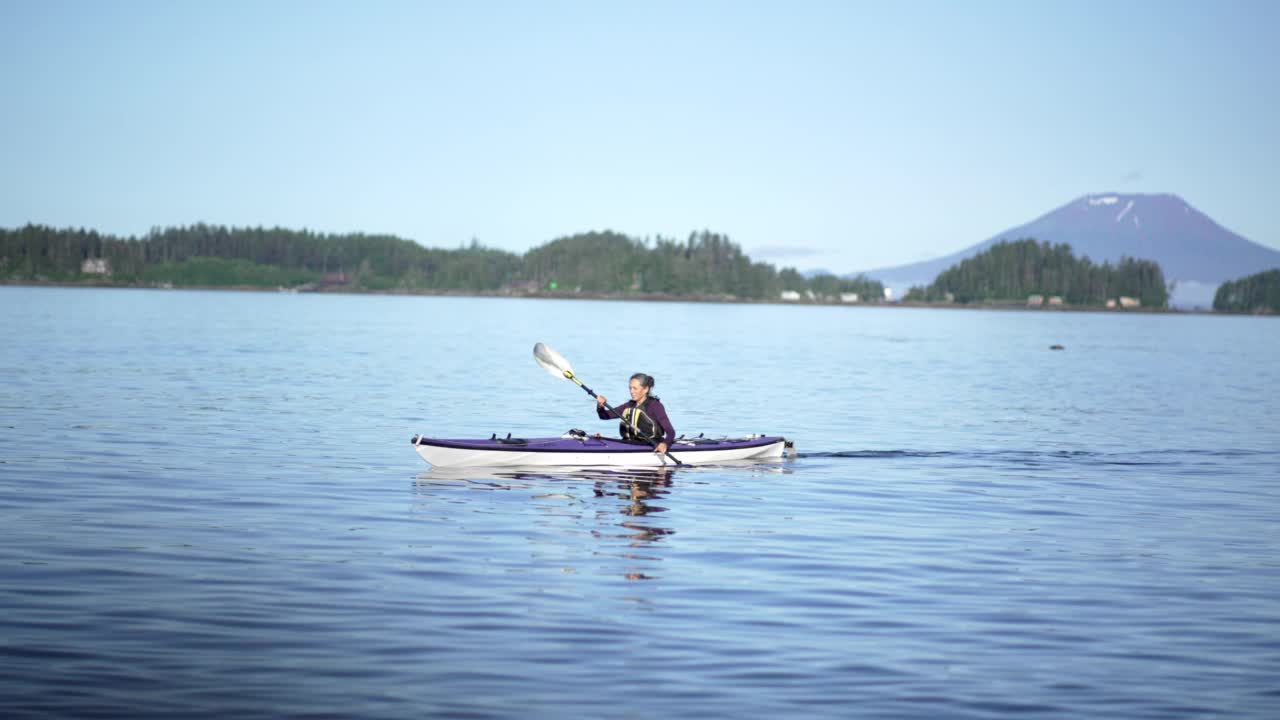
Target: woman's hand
661	449
600	400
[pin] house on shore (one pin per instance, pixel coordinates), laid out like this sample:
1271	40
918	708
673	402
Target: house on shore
95	266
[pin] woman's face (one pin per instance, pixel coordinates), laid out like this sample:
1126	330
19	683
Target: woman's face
638	391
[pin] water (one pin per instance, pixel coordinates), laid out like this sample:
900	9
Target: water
211	508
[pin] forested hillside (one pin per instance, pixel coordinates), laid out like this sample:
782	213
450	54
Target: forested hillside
705	264
1258	293
1013	271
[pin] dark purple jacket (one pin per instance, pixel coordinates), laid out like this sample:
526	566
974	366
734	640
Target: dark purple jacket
653	408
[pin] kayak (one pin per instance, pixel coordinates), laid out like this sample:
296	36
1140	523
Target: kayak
586	450
579	449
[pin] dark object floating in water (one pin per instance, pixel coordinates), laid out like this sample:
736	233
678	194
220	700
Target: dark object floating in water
1056	347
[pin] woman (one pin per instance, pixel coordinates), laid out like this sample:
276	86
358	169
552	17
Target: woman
643	417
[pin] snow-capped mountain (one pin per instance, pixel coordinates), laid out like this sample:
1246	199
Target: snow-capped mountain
1193	250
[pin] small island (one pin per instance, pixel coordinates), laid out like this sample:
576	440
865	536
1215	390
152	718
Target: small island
1257	294
1027	273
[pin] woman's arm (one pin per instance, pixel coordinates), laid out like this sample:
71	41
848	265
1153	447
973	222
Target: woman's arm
604	414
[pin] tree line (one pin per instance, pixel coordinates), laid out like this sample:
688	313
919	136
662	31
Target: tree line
1016	270
703	264
1258	293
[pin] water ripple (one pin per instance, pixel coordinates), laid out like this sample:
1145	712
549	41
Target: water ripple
229	523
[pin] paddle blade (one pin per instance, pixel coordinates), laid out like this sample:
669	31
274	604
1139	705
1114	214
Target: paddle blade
552	361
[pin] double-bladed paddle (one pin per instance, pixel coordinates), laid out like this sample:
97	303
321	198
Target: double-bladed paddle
554	363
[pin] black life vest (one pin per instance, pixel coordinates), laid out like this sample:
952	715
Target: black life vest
637	425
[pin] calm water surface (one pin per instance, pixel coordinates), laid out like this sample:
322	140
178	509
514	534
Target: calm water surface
211	508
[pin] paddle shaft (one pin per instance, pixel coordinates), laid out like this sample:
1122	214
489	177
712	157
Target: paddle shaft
609	407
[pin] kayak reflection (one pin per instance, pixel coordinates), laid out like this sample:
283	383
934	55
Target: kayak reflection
541	477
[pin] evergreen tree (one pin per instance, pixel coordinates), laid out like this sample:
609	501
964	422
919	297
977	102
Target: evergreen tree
1258	293
1013	271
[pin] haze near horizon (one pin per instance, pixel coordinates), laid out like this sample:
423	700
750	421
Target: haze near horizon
838	135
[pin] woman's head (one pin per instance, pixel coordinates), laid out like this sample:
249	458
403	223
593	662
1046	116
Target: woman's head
641	384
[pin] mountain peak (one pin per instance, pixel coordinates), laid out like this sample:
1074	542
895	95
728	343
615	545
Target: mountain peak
1191	248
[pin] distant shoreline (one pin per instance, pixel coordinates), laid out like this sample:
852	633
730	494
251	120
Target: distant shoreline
633	297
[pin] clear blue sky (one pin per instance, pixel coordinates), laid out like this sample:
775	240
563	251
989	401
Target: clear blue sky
842	135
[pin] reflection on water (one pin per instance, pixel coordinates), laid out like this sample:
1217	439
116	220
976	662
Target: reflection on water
635	490
638	490
523	477
636	500
975	529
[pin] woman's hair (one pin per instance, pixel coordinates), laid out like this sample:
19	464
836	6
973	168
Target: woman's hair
645	380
